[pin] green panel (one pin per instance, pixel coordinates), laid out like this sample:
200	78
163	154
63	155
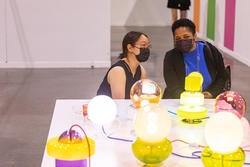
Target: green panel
211	19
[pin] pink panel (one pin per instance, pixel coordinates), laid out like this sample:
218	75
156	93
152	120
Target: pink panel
229	24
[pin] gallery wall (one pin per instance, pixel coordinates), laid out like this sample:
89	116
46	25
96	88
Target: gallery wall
54	33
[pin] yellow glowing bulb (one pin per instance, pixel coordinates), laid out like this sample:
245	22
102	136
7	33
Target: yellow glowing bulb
193	82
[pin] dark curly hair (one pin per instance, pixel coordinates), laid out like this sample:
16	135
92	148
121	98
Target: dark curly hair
184	23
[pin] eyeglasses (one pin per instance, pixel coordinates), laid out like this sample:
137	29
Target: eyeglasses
146	46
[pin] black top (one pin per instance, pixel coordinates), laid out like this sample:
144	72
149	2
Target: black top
105	89
175	73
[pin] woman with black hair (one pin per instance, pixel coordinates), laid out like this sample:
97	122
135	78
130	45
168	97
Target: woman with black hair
123	74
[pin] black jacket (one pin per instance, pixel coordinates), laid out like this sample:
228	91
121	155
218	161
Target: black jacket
175	73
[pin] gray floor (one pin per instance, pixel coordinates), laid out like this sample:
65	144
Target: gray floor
27	96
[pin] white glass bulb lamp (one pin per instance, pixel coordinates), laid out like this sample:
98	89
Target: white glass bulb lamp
223	134
152	125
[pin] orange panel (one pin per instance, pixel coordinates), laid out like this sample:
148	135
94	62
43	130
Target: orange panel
197	14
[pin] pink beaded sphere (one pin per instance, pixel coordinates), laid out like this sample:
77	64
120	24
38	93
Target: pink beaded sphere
230	101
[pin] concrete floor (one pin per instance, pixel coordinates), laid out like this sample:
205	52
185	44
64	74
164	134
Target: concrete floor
27	96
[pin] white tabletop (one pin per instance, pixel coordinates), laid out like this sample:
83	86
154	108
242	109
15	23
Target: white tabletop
119	153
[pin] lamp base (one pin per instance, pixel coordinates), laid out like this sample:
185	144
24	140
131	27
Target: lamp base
191	114
75	163
192	121
152	153
212	159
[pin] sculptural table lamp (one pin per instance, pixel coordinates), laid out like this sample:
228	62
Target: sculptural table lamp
191	109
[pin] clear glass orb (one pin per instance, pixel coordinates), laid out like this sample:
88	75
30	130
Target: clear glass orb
230	101
145	91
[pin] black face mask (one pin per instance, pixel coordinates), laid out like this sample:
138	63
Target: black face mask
143	55
184	46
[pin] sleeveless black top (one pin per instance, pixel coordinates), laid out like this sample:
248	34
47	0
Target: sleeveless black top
105	89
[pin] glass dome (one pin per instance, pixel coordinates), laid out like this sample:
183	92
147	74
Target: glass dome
70	137
145	91
230	101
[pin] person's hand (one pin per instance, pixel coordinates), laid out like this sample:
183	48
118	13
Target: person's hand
208	95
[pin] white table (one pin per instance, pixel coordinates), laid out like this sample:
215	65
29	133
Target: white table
115	153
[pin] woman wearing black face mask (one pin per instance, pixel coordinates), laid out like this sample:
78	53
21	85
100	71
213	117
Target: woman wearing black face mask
189	56
124	73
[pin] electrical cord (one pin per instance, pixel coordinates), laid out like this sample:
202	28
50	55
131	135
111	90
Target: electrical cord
172	112
194	154
115	138
188	157
186	143
85	136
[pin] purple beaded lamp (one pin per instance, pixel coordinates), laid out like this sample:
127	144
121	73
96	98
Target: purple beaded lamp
70	149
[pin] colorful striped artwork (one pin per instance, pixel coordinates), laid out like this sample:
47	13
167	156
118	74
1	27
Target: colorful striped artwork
229	24
197	15
211	19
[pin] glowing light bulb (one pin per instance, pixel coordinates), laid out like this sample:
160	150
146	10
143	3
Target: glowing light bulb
102	109
224	132
245	125
152	128
152	123
193	82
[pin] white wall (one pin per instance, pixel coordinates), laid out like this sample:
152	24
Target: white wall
242	27
2	32
242	36
140	13
55	33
